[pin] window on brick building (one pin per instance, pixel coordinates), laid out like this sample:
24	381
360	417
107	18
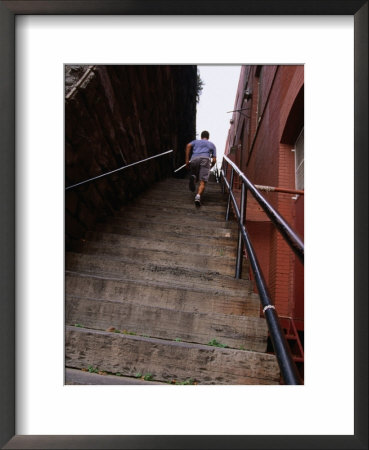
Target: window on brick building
299	161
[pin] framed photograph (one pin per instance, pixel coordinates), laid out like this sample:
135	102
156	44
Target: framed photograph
329	38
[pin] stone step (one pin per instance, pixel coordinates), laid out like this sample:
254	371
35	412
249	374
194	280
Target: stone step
184	180
179	257
182	183
169	206
147	289
247	333
184	196
176	234
174	276
191	218
167	360
168	187
84	377
206	246
195	299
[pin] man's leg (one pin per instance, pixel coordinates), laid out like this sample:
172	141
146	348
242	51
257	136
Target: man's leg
194	168
203	175
192	183
201	187
199	193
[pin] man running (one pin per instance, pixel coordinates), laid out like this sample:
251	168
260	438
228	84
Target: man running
203	151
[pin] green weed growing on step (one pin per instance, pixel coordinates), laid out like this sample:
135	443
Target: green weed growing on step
138	375
116	331
129	332
215	343
178	340
78	325
148	377
242	347
93	369
190	381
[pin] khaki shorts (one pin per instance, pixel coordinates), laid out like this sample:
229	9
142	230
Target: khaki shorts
200	167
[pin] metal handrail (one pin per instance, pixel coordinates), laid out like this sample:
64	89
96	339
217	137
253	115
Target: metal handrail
117	170
289	235
286	364
279	189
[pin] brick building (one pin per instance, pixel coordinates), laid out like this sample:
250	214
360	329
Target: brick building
266	140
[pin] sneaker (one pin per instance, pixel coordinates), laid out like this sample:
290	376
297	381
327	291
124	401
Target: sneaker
198	200
192	183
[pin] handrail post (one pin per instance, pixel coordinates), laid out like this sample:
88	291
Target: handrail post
223	170
240	239
229	196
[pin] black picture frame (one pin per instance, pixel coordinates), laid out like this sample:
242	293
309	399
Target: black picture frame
8	10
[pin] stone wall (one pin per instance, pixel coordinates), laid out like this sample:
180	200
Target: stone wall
117	115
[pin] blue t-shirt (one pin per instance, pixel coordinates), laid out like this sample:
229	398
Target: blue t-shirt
204	148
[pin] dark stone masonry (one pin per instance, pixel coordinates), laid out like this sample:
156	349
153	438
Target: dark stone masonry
115	116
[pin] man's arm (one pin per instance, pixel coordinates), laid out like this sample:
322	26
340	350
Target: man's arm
188	153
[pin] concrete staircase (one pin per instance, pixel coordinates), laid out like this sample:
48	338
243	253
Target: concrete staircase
151	297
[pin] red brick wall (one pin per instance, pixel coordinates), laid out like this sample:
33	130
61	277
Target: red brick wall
298	295
269	132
